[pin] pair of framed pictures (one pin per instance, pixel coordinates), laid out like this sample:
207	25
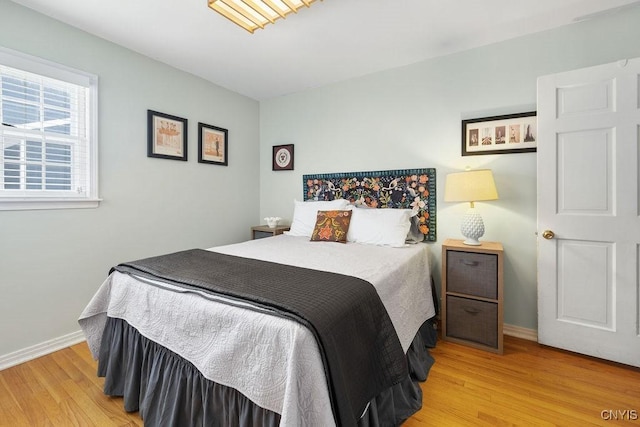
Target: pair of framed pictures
167	139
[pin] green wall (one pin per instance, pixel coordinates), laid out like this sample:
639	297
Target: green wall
410	117
53	261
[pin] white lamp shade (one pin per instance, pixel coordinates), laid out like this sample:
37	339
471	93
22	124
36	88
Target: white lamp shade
470	186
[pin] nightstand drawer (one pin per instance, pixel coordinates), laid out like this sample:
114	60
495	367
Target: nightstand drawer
472	320
472	274
262	234
262	231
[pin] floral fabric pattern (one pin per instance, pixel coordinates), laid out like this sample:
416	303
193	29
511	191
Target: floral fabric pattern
331	226
400	189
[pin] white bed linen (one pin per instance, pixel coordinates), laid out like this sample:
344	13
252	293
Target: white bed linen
273	361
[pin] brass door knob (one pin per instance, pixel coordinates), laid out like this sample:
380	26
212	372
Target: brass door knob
548	234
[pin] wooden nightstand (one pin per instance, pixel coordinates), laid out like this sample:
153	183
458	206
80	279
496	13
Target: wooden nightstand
262	231
472	286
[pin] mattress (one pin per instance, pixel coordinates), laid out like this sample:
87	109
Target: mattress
273	361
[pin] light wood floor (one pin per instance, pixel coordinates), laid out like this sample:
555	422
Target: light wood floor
529	385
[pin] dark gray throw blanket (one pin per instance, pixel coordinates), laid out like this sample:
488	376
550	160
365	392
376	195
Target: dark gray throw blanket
361	352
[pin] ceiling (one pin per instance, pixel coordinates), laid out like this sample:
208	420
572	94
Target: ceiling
331	41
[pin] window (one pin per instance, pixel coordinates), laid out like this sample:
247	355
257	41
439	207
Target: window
48	135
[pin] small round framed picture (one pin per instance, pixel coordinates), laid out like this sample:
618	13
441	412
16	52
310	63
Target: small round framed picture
282	157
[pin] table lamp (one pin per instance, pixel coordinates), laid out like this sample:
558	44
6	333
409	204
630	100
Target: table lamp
471	186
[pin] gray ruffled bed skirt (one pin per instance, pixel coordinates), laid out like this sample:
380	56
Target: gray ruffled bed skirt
168	390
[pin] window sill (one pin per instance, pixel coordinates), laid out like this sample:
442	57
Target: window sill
39	204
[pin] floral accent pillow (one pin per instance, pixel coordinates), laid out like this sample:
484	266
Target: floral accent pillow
331	226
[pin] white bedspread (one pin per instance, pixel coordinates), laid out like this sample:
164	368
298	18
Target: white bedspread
273	361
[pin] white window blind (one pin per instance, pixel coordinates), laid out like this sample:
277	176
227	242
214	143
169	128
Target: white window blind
48	143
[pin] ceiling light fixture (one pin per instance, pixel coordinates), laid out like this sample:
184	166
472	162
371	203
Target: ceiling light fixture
254	14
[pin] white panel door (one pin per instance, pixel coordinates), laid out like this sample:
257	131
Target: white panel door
589	211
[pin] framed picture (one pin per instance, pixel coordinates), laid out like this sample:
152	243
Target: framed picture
166	136
282	157
513	133
213	145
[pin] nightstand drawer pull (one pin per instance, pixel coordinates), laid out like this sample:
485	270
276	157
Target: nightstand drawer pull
469	263
471	310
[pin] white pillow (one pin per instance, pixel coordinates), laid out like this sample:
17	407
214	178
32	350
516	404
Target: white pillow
306	213
386	226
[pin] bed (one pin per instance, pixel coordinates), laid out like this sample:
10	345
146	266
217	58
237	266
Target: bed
185	355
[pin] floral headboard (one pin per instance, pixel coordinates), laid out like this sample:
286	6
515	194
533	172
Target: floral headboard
404	188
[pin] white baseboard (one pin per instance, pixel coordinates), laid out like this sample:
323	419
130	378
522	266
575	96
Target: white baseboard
520	332
33	352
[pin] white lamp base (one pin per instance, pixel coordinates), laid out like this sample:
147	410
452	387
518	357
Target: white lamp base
472	227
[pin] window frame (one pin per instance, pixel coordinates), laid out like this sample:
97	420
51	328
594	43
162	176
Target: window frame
46	199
